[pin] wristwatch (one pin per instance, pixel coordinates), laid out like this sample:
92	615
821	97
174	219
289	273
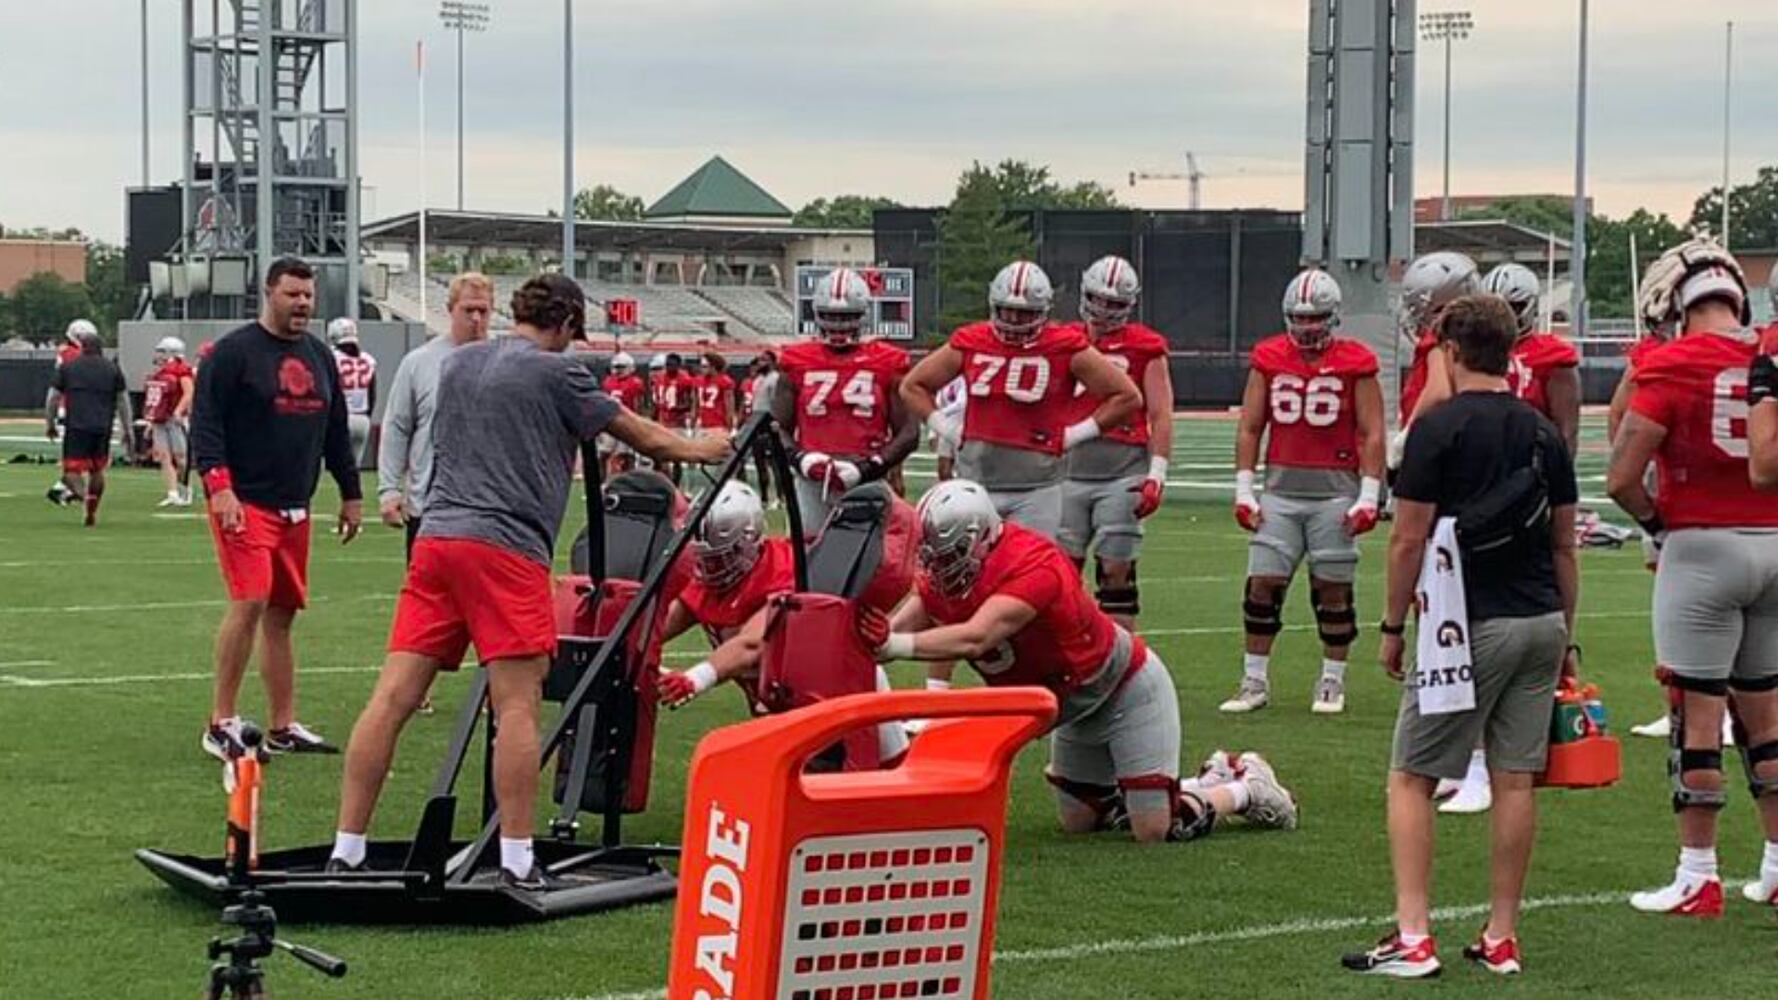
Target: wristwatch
1388	629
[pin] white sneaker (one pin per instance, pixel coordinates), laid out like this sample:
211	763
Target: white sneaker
1761	891
1220	768
1330	695
1269	803
170	500
1253	695
184	498
1659	729
1686	897
1476	796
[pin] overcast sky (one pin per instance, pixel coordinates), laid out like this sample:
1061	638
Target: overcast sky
895	97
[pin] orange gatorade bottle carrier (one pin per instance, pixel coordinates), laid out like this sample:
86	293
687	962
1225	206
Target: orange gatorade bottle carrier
865	885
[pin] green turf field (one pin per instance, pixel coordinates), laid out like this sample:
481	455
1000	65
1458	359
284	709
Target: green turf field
104	669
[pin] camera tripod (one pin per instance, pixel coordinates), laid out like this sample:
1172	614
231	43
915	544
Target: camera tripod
237	976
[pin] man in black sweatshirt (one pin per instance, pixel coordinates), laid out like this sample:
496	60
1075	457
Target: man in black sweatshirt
268	412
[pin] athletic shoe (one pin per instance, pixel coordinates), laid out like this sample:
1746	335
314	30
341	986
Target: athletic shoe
1220	768
222	740
1330	695
1660	729
1473	797
1685	897
185	496
426	706
1447	787
537	880
298	738
59	495
1760	891
1502	959
340	866
170	500
1392	958
1254	694
1269	803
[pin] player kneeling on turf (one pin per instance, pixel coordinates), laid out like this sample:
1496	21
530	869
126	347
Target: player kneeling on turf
1011	602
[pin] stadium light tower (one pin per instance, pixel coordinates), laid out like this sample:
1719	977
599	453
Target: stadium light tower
462	18
1446	26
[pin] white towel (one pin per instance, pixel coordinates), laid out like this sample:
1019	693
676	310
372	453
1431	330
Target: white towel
1444	680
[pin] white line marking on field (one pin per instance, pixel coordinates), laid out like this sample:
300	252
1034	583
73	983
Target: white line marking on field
194	561
1235	629
161	605
1258	932
10	680
27	663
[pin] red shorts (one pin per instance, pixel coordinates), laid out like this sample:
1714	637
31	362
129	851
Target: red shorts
460	590
267	561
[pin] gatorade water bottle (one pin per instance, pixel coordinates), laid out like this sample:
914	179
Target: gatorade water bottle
1595	708
1569	721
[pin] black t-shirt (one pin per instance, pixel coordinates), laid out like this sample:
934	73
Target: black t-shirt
1462	448
89	385
270	411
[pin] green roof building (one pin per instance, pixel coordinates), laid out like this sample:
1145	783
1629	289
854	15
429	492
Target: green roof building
716	193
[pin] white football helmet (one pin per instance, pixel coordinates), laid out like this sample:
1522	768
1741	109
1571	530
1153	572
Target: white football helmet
1520	288
1108	293
958	528
622	363
658	362
841	305
1312	308
342	331
78	329
169	348
728	540
1433	282
1019	300
1662	301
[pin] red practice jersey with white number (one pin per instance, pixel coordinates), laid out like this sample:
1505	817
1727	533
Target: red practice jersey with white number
674	398
1069	641
715	396
1131	349
1019	396
1535	357
1696	387
357	375
1312	408
627	390
164	389
842	396
722	613
1415	382
1636	352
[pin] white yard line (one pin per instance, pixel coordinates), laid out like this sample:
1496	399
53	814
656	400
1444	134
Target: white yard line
1257	932
159	605
26	663
10	680
193	561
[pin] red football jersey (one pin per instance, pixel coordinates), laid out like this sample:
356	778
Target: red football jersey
1067	643
1415	383
1639	350
164	389
1535	357
842	397
66	353
1130	348
674	398
722	613
626	389
1019	396
716	394
1312	409
1696	387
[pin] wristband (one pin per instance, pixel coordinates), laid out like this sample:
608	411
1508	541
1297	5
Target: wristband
1652	525
1244	487
217	480
1388	629
1157	469
1370	490
899	646
1080	432
702	677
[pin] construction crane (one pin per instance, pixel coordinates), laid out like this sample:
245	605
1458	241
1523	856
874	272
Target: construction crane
1192	175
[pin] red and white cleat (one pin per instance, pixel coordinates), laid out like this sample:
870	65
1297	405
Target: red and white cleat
1392	958
1500	958
1685	897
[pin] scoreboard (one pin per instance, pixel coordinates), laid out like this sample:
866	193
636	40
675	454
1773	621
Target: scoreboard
891	299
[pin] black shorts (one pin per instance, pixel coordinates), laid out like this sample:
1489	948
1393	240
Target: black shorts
85	451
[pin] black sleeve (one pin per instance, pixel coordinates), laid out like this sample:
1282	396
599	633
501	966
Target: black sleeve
1559	466
1419	477
211	397
59	381
337	452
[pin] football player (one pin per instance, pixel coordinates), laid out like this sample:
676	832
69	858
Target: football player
1012	603
673	393
1430	283
716	394
1315	398
166	405
838	400
60	493
1716	580
1762	387
1543	369
1117	479
358	380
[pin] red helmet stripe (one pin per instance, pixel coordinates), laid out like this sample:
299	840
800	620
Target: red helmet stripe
1111	275
1018	279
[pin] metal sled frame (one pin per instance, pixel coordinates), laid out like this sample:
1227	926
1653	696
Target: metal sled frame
438	878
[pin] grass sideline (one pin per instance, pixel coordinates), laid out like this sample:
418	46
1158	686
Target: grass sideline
100	711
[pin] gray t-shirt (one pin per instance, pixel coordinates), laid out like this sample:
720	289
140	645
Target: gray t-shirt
508	421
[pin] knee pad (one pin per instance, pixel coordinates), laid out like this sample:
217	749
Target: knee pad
1262	609
1106	801
1338	625
1193	817
1680	760
1116	600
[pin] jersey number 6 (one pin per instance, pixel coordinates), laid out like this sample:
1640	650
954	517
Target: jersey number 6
1315	402
1728	412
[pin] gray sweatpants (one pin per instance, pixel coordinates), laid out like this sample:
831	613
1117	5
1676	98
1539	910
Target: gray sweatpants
1101	515
1716	603
1134	736
1294	529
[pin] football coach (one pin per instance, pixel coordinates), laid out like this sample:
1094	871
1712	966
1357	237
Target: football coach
268	413
1486	481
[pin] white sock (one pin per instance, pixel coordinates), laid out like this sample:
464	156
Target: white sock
1238	791
1333	668
1768	867
1697	863
1410	941
1193	785
1256	665
1478	766
516	856
934	684
349	847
